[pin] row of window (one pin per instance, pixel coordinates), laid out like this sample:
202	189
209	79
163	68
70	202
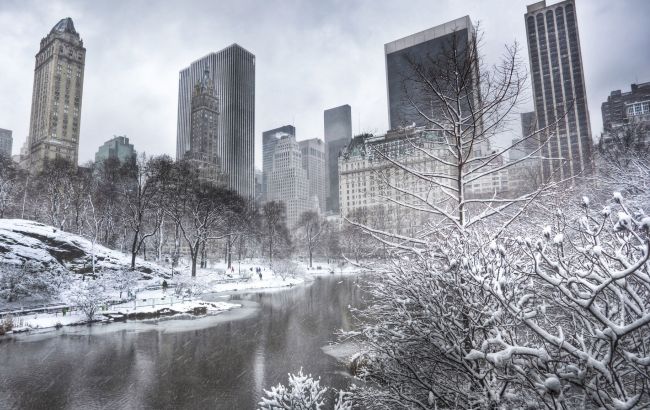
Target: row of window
639	108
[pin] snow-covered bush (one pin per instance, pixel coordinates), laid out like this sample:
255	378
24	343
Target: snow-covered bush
560	318
89	296
125	280
302	393
189	288
286	268
17	282
580	297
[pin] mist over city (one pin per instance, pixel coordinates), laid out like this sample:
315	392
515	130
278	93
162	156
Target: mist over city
325	205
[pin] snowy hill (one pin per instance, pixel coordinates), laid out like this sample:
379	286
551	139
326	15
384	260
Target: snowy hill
22	240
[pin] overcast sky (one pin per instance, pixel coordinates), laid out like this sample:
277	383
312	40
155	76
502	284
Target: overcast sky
310	55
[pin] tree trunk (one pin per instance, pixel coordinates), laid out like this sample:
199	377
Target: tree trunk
134	247
229	251
194	255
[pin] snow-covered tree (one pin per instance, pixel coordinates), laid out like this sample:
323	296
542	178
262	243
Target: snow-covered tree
274	228
310	227
431	311
140	191
578	295
124	280
286	268
88	296
19	281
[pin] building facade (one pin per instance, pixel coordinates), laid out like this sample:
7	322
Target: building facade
232	73
368	181
559	94
269	139
423	48
314	162
204	125
288	181
56	98
378	178
337	124
630	108
118	148
6	142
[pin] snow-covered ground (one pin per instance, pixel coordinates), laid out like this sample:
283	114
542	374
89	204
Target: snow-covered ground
49	320
150	297
51	248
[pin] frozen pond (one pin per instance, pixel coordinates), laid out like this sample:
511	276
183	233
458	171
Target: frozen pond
219	362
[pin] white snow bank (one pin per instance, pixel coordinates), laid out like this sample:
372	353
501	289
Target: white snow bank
51	248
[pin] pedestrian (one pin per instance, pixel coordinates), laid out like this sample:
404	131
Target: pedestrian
164	286
259	272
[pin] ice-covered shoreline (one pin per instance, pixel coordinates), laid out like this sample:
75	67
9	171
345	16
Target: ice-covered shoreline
158	302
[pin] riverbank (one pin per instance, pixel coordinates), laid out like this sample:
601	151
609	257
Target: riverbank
183	296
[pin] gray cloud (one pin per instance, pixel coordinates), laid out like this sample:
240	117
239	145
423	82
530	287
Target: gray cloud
310	55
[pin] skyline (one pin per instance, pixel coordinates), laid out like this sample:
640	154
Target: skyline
308	59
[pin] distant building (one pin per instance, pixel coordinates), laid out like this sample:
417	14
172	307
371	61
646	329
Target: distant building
425	48
269	139
337	124
288	181
204	124
232	73
6	142
56	100
627	108
258	185
559	95
314	162
118	148
371	182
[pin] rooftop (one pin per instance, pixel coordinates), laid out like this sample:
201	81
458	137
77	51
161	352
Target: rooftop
428	34
64	26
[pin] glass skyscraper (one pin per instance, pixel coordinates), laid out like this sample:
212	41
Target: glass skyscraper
405	91
232	71
338	134
559	88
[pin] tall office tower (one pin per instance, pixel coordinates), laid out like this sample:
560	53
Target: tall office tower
232	72
314	162
288	180
6	141
559	88
425	48
56	97
118	148
338	134
204	124
269	139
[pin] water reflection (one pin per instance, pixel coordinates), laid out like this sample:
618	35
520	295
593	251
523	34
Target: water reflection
225	365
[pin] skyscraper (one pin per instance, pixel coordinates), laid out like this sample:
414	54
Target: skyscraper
288	180
269	139
314	162
232	72
559	88
117	147
56	98
338	134
204	123
424	48
6	142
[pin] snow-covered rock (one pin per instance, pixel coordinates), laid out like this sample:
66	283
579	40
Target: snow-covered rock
51	248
